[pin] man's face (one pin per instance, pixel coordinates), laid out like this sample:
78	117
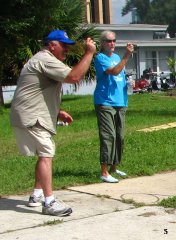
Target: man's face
59	49
109	43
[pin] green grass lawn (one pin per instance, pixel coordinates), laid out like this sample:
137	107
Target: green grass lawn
77	156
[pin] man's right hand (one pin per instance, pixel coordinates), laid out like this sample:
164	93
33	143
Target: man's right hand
90	45
79	70
130	48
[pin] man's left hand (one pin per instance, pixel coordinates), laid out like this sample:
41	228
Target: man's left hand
65	117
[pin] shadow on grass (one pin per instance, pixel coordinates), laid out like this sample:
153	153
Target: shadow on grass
146	113
7	105
84	114
71	98
76	173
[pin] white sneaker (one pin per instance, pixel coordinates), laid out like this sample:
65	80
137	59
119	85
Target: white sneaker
58	208
109	179
35	201
120	173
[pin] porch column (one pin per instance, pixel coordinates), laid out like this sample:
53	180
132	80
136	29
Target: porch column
98	8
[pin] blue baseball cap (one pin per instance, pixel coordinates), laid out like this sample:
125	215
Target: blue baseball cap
59	35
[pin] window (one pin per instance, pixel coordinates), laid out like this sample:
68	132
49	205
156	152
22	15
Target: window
157	60
159	35
151	60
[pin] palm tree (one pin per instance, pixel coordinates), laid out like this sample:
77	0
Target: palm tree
23	25
171	62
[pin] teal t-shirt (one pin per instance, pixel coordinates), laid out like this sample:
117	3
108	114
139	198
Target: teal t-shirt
110	90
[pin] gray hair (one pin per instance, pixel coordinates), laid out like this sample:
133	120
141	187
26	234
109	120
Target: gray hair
104	36
46	43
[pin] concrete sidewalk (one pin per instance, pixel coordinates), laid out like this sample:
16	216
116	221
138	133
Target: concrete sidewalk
100	211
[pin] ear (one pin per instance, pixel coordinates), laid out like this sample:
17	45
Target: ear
51	46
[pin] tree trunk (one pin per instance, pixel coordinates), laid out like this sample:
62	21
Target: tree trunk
1	97
1	93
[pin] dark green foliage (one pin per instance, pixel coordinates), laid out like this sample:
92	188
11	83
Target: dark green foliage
25	23
154	12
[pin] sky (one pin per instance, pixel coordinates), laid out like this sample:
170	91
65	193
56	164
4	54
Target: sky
116	13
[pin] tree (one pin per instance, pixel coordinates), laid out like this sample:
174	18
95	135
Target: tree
154	12
25	23
171	62
142	7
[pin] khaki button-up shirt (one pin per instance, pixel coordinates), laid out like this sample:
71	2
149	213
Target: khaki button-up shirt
37	96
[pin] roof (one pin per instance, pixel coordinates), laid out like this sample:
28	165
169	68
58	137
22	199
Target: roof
165	42
131	27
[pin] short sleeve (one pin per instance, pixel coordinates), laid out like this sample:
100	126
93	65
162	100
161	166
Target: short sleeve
56	70
101	63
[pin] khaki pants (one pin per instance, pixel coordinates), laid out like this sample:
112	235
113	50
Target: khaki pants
35	140
111	122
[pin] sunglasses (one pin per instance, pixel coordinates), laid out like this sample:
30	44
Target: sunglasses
110	40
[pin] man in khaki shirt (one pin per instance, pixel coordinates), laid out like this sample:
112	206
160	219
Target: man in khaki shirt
35	108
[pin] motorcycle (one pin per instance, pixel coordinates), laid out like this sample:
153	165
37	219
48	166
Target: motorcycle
141	85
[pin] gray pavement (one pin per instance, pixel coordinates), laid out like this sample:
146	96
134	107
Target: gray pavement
126	210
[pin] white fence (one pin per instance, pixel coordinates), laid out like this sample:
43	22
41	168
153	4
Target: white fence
83	89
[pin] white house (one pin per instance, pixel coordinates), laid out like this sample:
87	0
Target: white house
153	46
